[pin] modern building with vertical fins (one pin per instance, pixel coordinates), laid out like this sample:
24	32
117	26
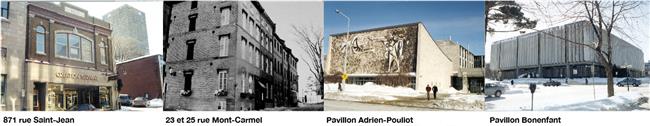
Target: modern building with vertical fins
540	55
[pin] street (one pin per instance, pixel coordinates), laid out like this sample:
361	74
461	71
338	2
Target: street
335	105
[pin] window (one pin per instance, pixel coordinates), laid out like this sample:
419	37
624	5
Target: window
5	9
243	48
188	79
225	15
223	78
222	106
193	4
190	49
3	88
250	25
243	82
3	52
223	45
40	39
72	46
192	25
102	52
243	19
73	41
87	50
251	52
257	57
61	48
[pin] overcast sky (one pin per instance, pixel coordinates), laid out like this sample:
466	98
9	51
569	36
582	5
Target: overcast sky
287	14
152	10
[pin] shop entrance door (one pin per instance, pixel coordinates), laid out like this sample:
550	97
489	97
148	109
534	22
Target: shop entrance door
39	96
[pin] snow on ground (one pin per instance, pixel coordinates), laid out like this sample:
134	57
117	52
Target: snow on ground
130	108
573	81
619	102
574	96
403	96
368	92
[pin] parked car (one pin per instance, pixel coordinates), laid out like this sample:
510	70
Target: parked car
552	83
125	100
629	81
493	89
82	107
140	102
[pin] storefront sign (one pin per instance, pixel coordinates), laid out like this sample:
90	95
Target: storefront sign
76	76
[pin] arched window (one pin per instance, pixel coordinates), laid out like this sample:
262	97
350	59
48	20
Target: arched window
40	40
74	46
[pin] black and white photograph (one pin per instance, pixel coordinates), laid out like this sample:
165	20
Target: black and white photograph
243	56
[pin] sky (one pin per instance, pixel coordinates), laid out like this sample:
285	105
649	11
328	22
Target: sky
638	29
153	16
460	20
301	14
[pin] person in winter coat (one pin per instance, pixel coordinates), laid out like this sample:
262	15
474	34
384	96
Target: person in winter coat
435	91
428	90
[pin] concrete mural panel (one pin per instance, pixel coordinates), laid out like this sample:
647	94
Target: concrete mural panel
387	50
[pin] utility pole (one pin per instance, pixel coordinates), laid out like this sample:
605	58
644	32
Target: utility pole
347	44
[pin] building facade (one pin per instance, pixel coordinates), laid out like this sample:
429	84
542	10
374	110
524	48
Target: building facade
129	32
405	53
541	55
141	76
65	58
226	56
467	69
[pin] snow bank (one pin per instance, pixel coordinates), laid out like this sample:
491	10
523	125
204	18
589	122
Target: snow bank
620	102
367	92
404	96
154	103
578	81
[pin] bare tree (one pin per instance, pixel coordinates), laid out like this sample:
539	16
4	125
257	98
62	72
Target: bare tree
603	17
506	12
311	41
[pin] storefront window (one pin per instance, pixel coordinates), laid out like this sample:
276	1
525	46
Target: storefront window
55	98
104	97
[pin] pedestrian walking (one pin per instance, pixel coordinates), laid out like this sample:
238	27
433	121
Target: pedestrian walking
428	90
435	91
512	82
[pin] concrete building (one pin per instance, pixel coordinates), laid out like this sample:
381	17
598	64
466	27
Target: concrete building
647	69
58	57
141	76
129	32
541	55
399	55
226	56
467	75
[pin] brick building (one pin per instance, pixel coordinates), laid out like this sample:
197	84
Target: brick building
58	58
141	76
225	56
